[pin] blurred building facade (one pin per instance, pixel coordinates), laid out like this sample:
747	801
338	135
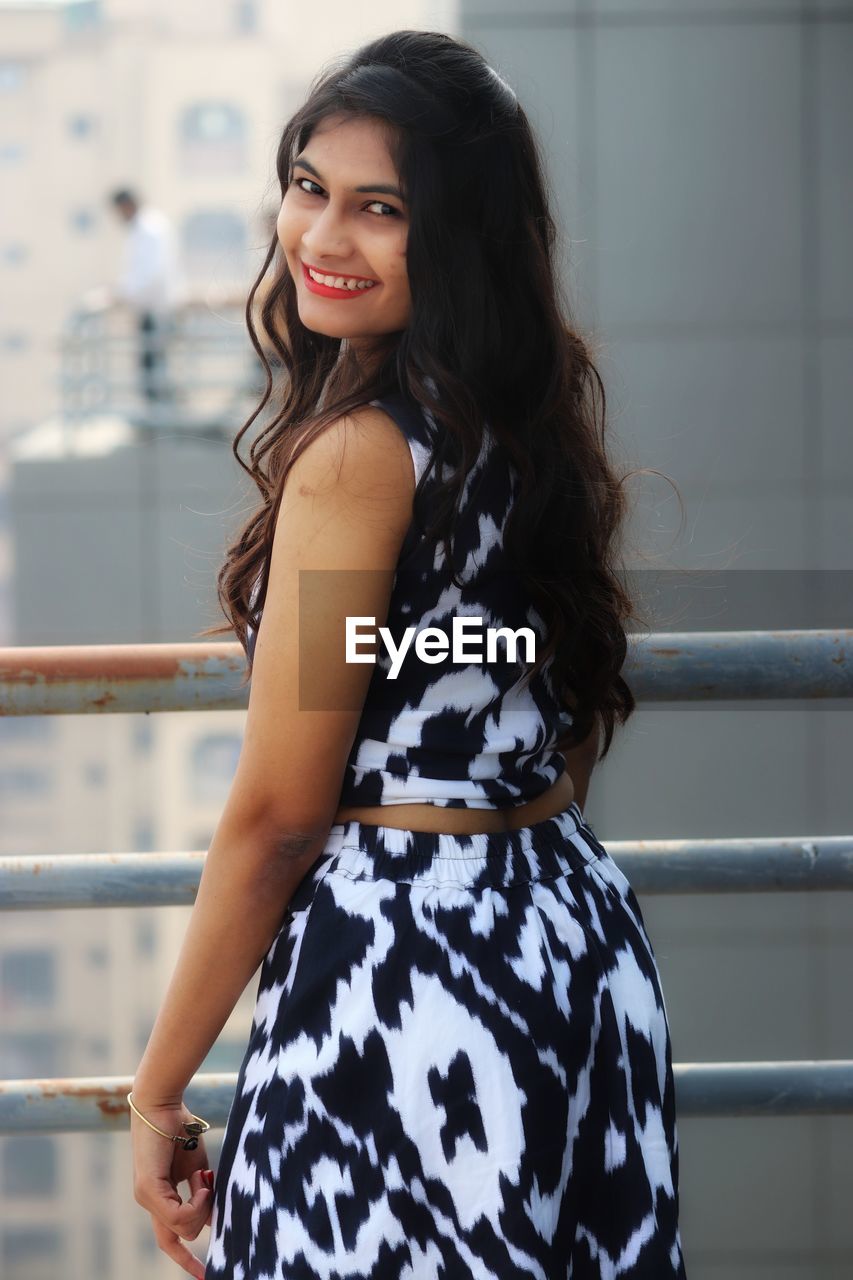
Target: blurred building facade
79	990
703	176
184	100
108	535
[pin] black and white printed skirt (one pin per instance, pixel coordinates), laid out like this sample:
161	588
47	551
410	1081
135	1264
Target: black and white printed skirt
459	1068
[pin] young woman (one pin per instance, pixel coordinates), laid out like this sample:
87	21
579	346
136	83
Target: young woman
459	1063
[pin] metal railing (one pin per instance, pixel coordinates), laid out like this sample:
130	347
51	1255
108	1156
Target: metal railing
673	666
194	371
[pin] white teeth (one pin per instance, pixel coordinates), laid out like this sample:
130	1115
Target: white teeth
341	282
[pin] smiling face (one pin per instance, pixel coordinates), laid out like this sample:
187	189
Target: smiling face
340	215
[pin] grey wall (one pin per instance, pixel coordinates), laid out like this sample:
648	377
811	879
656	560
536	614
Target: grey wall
170	502
701	157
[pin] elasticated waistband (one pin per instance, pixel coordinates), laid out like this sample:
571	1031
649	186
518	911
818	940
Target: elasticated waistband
553	847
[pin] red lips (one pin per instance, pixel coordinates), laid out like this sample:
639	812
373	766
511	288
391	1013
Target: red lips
346	275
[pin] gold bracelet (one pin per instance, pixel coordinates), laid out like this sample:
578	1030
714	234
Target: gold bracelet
194	1128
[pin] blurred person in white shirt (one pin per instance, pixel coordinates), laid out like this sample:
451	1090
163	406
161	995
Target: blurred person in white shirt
151	282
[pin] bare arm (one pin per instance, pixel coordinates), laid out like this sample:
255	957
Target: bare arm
249	876
286	788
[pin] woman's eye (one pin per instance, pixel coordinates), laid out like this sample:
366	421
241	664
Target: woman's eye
389	207
295	182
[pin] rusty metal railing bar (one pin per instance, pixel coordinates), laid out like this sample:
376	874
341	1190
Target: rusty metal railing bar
664	666
802	1087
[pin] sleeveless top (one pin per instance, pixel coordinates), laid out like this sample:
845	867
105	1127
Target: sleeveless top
455	734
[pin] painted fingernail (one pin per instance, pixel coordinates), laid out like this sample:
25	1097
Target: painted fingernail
207	1177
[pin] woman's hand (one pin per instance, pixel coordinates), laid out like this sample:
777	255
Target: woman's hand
158	1167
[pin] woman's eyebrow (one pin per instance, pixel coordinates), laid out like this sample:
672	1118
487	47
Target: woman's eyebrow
382	187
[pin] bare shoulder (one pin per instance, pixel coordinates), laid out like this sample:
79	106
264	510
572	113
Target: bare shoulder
345	506
364	450
348	498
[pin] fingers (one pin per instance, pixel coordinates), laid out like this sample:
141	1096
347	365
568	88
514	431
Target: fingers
156	1189
159	1196
201	1196
175	1221
171	1244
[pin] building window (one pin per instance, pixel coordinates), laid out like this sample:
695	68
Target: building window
101	1247
15	253
29	1165
213	763
82	221
99	1163
143	835
80	14
246	16
148	1246
98	957
214	244
143	735
81	126
30	1054
143	1035
24	781
28	979
31	1253
145	927
98	1048
15	341
13	76
212	139
25	728
94	773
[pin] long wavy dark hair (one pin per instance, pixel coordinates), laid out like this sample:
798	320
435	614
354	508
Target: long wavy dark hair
489	340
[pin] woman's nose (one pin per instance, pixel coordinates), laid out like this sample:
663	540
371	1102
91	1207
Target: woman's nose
326	235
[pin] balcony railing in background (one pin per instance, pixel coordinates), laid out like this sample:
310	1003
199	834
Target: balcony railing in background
664	667
205	374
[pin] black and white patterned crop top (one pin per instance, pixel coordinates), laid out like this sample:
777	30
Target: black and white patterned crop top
463	734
